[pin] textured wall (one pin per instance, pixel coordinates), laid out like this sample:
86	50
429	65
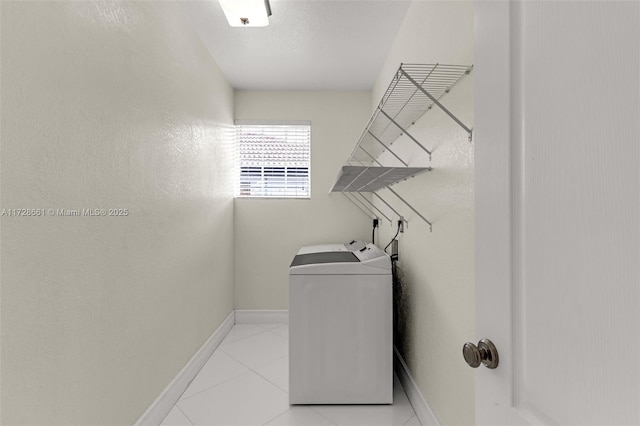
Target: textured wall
109	105
436	269
269	232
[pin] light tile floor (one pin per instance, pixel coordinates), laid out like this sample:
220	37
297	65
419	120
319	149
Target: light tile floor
245	382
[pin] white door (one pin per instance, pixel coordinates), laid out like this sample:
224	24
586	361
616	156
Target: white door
557	140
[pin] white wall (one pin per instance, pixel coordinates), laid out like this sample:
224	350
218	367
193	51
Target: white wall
436	269
109	105
268	232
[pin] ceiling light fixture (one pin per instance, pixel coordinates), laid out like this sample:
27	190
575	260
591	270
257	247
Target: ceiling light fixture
246	13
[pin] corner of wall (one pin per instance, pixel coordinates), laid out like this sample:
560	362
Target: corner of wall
436	269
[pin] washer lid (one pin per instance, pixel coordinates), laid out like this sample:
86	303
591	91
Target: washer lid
369	260
326	257
353	245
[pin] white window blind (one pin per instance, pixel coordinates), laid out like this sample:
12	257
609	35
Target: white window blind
274	159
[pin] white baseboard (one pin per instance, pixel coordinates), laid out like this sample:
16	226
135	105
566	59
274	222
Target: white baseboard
420	406
251	316
159	409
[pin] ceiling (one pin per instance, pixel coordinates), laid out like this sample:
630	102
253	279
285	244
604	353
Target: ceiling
308	45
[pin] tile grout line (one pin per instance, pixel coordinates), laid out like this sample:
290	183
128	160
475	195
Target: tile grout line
185	414
215	386
286	393
272	419
286	340
222	344
281	337
221	348
407	422
270	362
251	369
323	416
245	337
233	378
272	325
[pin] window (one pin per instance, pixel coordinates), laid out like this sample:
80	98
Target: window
274	160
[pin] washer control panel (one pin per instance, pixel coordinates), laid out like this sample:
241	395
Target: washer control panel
355	245
370	252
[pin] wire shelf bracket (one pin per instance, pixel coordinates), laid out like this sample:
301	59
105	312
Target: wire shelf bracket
402	129
412	208
372	205
362	208
387	204
387	148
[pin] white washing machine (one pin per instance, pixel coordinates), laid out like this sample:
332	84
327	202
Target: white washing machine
341	327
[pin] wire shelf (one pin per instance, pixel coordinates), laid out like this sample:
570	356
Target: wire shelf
404	102
414	90
370	179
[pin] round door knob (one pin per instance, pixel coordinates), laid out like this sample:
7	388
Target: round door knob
471	355
485	353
